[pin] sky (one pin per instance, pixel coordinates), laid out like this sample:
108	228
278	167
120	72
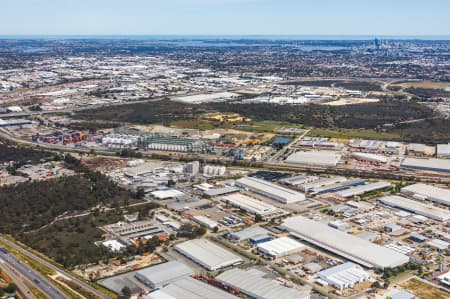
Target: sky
225	17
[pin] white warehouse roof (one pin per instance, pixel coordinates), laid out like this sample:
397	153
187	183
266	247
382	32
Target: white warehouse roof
270	190
208	254
358	190
281	247
348	246
344	276
432	164
249	204
189	288
169	193
253	283
428	192
315	158
419	208
163	274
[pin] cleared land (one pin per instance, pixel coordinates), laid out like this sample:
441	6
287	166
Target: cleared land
423	290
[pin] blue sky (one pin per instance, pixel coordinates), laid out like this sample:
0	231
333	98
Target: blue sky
223	17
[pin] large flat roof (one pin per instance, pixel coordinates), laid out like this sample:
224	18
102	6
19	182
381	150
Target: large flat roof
207	97
348	246
253	283
358	190
315	158
164	273
189	288
281	246
249	204
208	254
271	190
419	208
429	192
432	164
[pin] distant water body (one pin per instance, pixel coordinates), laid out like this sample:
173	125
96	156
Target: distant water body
232	37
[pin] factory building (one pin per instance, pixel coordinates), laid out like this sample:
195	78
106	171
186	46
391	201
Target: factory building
415	207
348	246
443	150
280	247
174	144
373	158
248	233
270	190
163	274
168	193
206	222
343	276
249	204
315	158
359	190
434	165
428	192
253	284
207	254
189	288
315	183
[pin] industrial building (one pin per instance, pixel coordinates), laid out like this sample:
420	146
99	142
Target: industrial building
419	208
207	254
249	204
280	247
163	274
337	187
315	158
348	246
205	221
174	144
167	193
189	288
270	190
363	189
432	164
343	276
299	180
221	191
443	150
209	97
125	232
253	284
428	192
248	233
315	183
369	157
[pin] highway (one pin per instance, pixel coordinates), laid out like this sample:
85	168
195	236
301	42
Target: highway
32	276
18	281
95	293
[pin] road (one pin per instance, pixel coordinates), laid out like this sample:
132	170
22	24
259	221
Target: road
32	276
74	279
18	281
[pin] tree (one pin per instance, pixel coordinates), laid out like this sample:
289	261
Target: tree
126	292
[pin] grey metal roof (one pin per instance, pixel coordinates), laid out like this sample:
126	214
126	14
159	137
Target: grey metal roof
252	283
351	247
208	254
166	272
190	288
249	232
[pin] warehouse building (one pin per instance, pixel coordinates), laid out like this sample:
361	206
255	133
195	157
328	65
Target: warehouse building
315	158
248	233
348	246
338	187
250	205
207	254
167	194
359	190
443	150
207	97
373	158
206	222
253	284
435	165
343	276
270	190
419	208
319	182
428	192
189	288
280	247
163	274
